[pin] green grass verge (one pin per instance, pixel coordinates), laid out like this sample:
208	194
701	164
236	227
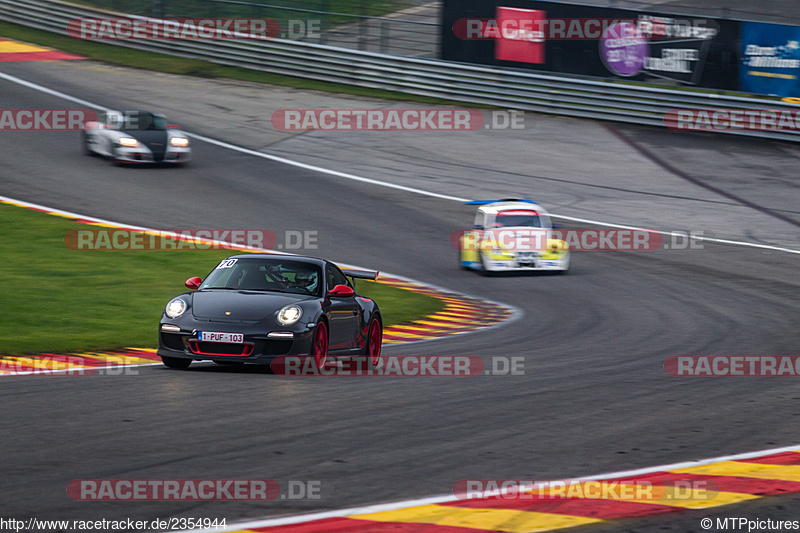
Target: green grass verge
58	300
399	306
119	55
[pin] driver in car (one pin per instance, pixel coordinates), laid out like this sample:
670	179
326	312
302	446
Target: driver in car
307	280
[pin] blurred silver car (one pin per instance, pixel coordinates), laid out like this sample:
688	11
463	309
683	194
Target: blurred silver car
136	137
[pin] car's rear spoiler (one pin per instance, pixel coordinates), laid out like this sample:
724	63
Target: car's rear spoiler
362	274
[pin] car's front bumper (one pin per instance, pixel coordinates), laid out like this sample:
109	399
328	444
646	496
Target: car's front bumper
141	154
509	262
258	348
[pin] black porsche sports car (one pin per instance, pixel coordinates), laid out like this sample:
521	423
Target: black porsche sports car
253	308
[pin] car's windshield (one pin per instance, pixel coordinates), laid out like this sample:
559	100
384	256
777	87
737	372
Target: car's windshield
142	120
266	274
516	218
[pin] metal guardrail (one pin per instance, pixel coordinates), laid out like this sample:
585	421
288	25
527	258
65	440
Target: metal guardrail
398	27
504	88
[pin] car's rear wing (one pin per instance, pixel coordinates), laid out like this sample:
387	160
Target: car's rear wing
362	274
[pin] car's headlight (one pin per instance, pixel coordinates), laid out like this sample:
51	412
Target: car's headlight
130	142
289	315
180	142
175	308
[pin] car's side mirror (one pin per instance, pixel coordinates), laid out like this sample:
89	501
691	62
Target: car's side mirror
556	226
193	283
477	226
342	291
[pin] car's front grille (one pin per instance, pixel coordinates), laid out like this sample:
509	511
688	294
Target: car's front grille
525	258
220	348
158	150
173	341
272	347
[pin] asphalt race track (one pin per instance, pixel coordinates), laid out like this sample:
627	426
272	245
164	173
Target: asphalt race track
594	398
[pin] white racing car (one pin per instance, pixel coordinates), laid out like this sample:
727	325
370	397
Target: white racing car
136	137
512	235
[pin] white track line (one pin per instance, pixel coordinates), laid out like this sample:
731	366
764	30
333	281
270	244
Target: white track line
683	235
53	92
371	181
325	170
287	520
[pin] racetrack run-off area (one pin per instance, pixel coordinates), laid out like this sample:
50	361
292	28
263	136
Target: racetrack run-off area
15	51
553	506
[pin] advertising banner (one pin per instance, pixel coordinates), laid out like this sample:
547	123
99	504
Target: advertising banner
593	41
770	59
517	41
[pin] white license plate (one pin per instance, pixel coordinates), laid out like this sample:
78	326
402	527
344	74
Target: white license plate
214	336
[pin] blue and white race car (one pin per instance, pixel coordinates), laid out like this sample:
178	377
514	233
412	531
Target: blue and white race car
512	235
136	137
